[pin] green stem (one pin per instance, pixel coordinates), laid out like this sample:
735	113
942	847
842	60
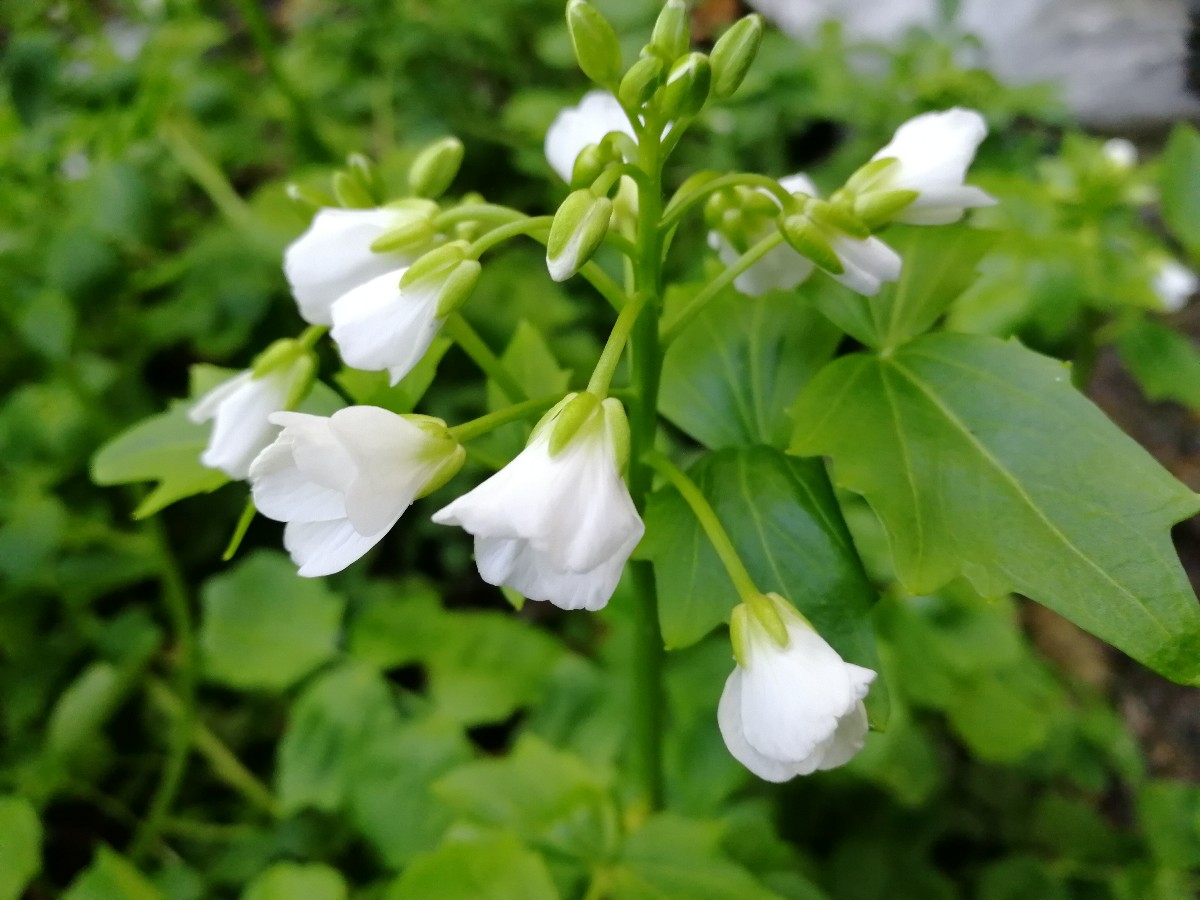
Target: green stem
309	337
646	371
606	366
478	212
469	430
175	599
225	765
461	332
718	284
707	517
209	177
532	227
679	206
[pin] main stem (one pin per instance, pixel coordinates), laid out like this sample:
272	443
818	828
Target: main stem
646	369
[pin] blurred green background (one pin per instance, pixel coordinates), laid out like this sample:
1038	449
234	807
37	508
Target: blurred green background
175	727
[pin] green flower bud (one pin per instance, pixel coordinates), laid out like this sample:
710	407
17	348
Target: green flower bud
807	239
733	55
686	90
596	47
641	81
579	227
350	193
366	174
589	165
308	199
672	32
435	167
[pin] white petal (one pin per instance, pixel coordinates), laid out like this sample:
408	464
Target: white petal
799	184
378	326
322	548
847	739
781	269
934	149
868	263
208	403
318	453
943	205
282	492
334	255
514	563
1174	283
729	719
597	114
240	426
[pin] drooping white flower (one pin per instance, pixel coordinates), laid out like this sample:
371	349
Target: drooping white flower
576	127
334	254
795	709
341	482
240	408
932	153
1174	283
556	526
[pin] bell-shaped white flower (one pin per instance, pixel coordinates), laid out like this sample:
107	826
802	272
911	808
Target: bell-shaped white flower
557	524
932	153
1174	283
790	709
341	482
576	127
334	254
240	408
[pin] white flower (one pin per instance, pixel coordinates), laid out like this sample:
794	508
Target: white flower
932	153
334	255
556	527
341	482
379	326
792	710
868	262
576	127
1174	283
1121	153
240	408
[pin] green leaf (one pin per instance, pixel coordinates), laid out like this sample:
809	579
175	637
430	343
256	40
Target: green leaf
1020	878
785	523
983	461
1180	186
731	374
293	881
390	800
938	266
490	868
112	877
1169	812
1164	362
333	720
400	626
674	857
372	388
20	846
164	448
264	627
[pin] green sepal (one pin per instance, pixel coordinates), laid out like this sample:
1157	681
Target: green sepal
737	633
304	375
617	424
641	81
407	237
435	167
363	171
768	610
278	355
350	193
579	227
437	263
458	287
807	239
687	87
672	32
880	207
870	175
308	199
733	55
596	47
837	217
571	418
453	453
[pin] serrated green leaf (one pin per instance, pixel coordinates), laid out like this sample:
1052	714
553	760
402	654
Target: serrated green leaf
20	846
372	388
785	523
731	374
938	266
264	627
112	877
1180	186
293	881
489	868
1164	362
983	461
165	449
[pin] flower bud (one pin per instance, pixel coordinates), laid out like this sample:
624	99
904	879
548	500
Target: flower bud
589	165
672	32
686	90
733	55
596	47
366	174
641	81
435	167
579	227
807	239
350	192
308	199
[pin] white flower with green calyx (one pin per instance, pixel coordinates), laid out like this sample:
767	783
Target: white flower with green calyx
557	523
341	482
390	321
792	705
578	230
343	248
841	244
583	126
918	178
240	407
